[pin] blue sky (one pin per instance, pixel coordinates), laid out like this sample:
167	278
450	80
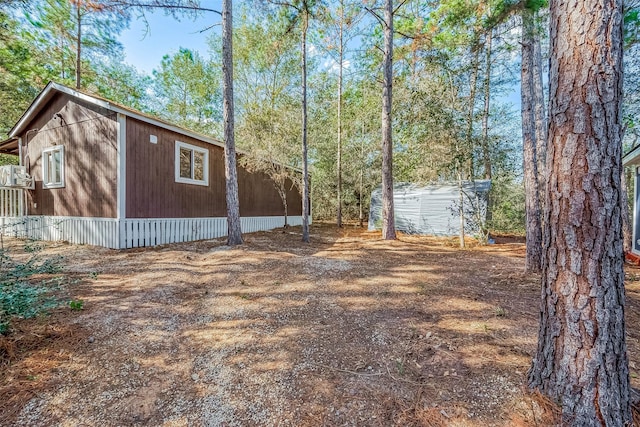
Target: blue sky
144	47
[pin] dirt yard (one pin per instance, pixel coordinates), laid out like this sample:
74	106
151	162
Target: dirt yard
348	330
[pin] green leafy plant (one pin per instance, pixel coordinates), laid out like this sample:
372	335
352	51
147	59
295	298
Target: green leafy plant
27	288
32	246
76	305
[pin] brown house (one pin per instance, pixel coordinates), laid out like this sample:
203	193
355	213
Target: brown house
107	175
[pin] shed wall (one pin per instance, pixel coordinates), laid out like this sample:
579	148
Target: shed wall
152	191
433	209
88	134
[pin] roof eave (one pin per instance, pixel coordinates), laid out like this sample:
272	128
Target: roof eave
48	92
167	126
10	146
46	95
632	157
52	87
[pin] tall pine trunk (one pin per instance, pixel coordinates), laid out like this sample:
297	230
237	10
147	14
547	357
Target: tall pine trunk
230	168
78	45
461	214
540	115
581	359
339	154
486	152
475	65
627	232
305	165
388	216
362	166
530	163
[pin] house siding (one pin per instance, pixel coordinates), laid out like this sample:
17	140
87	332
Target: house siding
152	191
88	134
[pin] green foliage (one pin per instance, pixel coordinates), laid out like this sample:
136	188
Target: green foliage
76	305
631	26
37	44
18	76
8	159
507	206
123	84
28	288
267	77
189	90
54	34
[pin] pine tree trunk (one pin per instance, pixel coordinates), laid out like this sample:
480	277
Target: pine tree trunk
627	233
339	156
362	166
234	230
540	117
486	152
305	165
530	164
581	359
461	234
388	217
78	45
475	65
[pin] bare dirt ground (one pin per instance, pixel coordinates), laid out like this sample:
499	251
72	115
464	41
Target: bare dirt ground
348	330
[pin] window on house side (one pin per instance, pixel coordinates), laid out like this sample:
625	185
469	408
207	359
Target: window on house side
53	167
192	164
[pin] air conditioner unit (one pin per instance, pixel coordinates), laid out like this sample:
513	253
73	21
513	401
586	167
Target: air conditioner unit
13	176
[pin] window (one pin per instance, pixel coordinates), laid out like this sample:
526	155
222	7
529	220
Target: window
53	167
192	164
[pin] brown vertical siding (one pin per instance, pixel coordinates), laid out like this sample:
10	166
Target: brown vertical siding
88	134
151	188
259	197
153	193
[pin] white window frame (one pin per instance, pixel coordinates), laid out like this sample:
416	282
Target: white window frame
45	166
194	148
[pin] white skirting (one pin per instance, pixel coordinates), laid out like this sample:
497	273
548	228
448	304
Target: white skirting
131	233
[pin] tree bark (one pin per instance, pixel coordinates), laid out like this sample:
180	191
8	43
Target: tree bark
78	45
472	106
461	234
486	152
339	156
305	165
627	232
540	116
362	166
530	163
388	217
234	229
283	196
581	359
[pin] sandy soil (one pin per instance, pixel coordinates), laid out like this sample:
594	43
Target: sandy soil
348	330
